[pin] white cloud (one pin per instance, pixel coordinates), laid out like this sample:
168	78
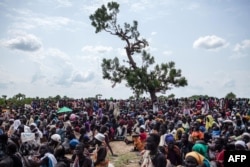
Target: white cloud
242	46
210	43
83	77
24	42
96	49
64	3
54	67
62	25
93	5
168	52
44	22
241	50
27	19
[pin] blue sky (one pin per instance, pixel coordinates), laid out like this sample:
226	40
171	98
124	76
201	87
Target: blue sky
49	48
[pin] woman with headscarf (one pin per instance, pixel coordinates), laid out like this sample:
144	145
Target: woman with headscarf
201	147
209	122
180	130
194	159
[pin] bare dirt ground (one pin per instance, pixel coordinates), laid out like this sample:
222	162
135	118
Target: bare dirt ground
125	157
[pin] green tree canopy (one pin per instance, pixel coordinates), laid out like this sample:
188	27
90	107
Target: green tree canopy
230	95
140	78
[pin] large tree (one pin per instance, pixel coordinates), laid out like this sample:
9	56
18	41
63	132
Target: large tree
140	78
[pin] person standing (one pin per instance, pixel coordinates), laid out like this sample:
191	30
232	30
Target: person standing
116	105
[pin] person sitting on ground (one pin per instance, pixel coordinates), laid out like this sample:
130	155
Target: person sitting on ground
130	124
152	156
61	130
11	129
5	159
100	152
162	133
45	158
120	131
240	145
138	139
180	130
79	159
184	145
69	133
84	138
193	159
15	156
172	150
62	160
72	145
201	147
246	139
56	146
51	131
196	134
38	134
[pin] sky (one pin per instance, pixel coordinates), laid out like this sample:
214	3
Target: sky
49	48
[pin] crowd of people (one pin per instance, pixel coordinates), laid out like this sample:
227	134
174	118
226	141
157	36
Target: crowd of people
173	132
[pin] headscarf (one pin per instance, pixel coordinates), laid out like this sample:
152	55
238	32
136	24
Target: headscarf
209	121
169	138
177	131
201	148
199	158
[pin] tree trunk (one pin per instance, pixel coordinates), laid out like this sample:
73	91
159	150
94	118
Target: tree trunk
153	95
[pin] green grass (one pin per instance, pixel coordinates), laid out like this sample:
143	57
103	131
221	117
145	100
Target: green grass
124	159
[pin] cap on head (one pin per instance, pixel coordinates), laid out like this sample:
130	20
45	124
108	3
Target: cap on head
143	127
100	137
56	137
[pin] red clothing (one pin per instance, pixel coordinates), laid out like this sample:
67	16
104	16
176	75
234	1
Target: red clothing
199	105
143	136
220	156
